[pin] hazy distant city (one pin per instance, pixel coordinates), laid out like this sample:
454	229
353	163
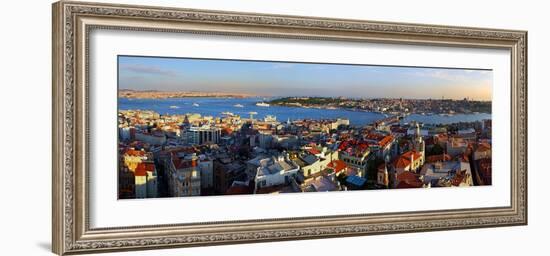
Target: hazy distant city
194	127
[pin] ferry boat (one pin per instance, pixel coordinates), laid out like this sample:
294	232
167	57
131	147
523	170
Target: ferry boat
262	104
238	106
174	107
195	104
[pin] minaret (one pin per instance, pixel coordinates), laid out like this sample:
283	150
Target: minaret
186	121
419	144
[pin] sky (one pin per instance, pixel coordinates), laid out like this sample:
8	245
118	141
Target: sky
267	78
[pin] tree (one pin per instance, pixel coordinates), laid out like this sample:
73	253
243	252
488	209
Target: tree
435	150
342	178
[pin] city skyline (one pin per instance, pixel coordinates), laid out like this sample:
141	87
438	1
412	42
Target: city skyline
283	79
193	127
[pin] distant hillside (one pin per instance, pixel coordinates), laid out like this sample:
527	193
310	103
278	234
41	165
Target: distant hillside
152	94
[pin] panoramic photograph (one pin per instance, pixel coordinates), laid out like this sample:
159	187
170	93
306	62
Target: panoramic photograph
213	127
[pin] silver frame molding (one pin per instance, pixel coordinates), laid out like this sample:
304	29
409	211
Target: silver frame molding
72	22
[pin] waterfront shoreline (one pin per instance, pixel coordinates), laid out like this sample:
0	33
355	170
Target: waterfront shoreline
216	106
394	106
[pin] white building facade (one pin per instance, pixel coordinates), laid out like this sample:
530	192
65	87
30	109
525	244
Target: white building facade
274	171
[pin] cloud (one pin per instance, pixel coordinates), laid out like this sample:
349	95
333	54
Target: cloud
144	69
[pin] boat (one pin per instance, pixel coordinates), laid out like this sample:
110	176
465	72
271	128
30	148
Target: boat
228	113
174	107
238	106
262	104
195	104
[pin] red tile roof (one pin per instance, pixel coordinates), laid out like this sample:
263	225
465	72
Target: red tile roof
143	168
402	162
133	152
353	147
380	139
385	141
150	167
227	130
375	136
314	151
405	159
414	153
337	165
438	158
408	180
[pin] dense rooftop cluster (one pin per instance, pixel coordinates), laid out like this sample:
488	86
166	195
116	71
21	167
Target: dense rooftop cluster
191	154
393	106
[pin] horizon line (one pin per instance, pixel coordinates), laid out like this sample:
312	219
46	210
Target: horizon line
299	96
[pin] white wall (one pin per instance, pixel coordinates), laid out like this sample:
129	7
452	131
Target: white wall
25	110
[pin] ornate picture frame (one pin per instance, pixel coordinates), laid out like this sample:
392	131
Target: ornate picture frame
72	23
